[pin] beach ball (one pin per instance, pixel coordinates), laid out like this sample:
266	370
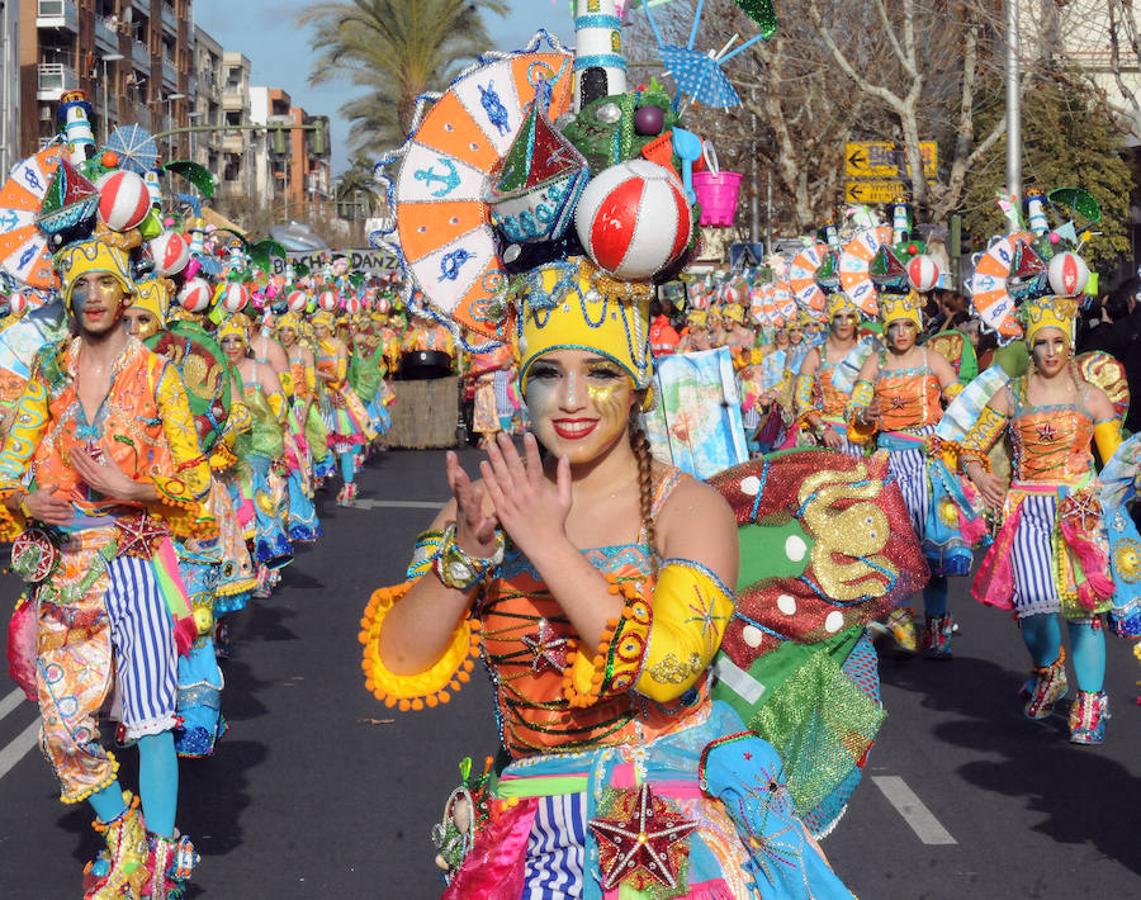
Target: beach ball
235	297
328	301
297	301
923	273
1068	274
17	304
352	305
170	252
124	200
195	295
633	219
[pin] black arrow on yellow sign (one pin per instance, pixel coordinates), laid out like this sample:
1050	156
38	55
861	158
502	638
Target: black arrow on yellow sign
857	159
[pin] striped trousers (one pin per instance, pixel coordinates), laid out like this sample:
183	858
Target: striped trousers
556	848
1032	557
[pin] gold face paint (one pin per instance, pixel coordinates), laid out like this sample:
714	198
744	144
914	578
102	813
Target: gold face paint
140	322
901	335
97	302
1051	351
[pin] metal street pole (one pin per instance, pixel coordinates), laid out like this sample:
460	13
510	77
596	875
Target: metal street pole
1013	106
110	57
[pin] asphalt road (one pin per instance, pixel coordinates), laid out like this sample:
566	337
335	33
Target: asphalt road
319	791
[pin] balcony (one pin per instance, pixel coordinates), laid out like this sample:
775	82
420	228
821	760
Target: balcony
192	88
169	18
169	72
106	37
53	79
57	14
140	55
234	142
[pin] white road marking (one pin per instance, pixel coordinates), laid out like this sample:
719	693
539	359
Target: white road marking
10	702
18	747
368	503
915	814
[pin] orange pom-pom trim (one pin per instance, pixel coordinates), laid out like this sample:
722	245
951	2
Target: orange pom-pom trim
598	685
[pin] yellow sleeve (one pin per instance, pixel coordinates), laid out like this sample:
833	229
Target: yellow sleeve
659	647
1107	438
311	379
20	444
185	490
981	436
277	403
428	688
862	396
951	391
286	379
803	398
342	369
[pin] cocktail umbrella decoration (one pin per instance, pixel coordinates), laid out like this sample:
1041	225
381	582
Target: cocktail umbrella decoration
24	250
135	147
262	253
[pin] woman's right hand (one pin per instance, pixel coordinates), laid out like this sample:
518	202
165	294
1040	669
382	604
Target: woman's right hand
475	526
990	486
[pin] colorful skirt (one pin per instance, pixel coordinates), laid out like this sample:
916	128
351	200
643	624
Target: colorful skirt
346	420
271	545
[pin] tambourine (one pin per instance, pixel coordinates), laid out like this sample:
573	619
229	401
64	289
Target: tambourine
34	555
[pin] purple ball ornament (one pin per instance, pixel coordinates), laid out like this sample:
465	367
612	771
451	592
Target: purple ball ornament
649	120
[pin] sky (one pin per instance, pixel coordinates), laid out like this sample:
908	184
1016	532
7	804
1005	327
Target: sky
280	56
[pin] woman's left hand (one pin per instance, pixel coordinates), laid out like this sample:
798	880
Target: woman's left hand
531	509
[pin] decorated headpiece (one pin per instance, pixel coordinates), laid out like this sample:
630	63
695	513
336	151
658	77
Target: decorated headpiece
734	312
154	296
908	307
573	305
840	304
697	318
323	317
289	321
92	255
1048	312
235	326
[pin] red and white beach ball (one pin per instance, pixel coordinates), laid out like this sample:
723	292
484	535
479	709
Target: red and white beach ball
923	273
124	200
633	219
17	304
1068	274
170	252
235	297
328	301
297	301
352	305
195	295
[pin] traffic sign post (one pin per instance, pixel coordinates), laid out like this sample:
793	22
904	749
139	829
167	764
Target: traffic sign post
874	191
884	159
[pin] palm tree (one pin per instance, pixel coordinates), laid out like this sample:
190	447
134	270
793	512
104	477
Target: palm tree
397	50
356	185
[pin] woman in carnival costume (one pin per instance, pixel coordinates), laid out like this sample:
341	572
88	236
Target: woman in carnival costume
621	768
898	399
1051	559
263	396
292	332
367	371
346	420
820	405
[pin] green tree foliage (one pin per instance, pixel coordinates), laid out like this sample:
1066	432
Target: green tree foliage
357	185
396	50
1069	139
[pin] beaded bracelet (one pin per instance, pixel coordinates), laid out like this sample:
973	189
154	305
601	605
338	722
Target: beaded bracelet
459	571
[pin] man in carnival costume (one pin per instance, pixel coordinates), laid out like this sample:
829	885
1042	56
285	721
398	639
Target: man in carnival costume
101	469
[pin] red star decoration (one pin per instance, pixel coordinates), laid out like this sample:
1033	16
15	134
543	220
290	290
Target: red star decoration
643	841
1047	433
898	402
139	535
549	648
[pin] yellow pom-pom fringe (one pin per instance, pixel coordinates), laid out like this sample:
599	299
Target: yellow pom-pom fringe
572	693
429	688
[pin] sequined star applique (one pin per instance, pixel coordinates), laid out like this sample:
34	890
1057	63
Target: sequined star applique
1047	433
642	841
702	610
139	535
550	650
898	402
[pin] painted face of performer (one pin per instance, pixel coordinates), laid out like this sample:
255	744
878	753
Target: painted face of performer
781	339
1051	351
234	347
901	334
844	325
579	403
97	300
141	323
321	331
287	336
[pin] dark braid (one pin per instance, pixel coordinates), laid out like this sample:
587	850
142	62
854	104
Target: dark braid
641	447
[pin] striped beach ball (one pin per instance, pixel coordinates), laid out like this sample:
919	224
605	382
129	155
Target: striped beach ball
923	273
124	200
17	304
195	295
297	301
170	252
1067	274
633	219
235	297
328	301
352	305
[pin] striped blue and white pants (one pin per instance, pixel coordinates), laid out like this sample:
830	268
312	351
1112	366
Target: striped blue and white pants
1032	557
556	849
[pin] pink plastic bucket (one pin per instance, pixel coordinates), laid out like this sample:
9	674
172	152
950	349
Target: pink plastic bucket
717	194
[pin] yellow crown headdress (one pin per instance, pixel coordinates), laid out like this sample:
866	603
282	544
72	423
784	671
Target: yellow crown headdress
697	317
840	303
907	307
289	321
1049	312
154	296
235	326
573	305
734	312
322	317
92	255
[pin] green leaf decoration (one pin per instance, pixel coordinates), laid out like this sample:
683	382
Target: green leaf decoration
197	175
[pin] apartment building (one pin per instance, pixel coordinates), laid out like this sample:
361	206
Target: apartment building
236	173
132	57
206	100
9	84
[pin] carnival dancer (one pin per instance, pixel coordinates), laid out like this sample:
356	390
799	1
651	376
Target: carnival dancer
346	420
599	655
262	395
898	397
303	380
101	467
820	406
367	371
1051	559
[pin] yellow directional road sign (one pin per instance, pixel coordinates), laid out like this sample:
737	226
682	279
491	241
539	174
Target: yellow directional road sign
884	159
874	191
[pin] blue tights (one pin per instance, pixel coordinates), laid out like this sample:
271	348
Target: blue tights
158	786
935	597
348	466
1042	635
